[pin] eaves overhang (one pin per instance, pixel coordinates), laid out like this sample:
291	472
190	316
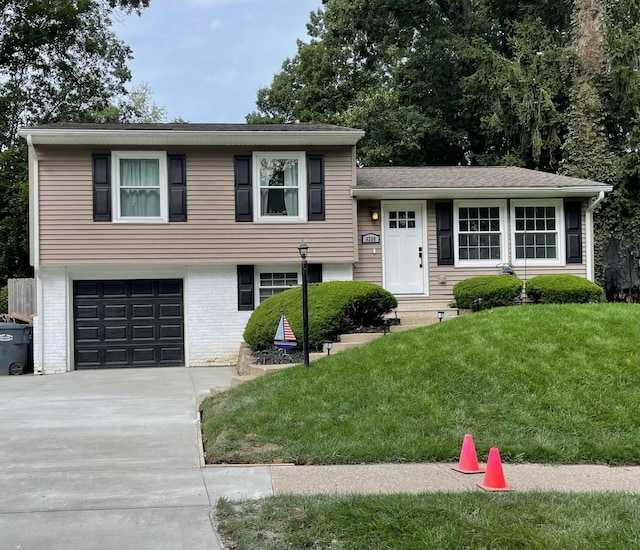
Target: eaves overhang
478	192
163	138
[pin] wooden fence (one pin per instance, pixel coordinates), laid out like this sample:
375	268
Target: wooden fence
22	296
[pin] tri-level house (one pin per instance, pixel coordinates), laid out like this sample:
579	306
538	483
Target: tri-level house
153	243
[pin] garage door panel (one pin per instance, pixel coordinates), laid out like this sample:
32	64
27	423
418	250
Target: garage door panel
88	334
128	323
170	355
142	311
115	356
88	312
88	357
114	289
170	332
143	332
114	332
115	311
170	311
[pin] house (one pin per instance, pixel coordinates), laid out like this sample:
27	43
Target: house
153	243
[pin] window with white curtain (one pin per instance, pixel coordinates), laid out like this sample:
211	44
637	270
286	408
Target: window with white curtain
140	190
280	191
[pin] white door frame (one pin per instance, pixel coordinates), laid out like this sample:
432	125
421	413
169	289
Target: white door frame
421	209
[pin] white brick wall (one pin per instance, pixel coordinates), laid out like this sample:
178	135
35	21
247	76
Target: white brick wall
337	272
50	334
214	326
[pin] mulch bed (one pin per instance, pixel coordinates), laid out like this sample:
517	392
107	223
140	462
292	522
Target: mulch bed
281	357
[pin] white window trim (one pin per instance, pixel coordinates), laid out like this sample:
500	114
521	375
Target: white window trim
301	157
560	231
504	231
275	268
116	157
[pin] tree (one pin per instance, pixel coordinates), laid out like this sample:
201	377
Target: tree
552	85
59	61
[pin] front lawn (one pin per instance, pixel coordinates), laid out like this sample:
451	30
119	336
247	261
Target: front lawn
479	521
550	384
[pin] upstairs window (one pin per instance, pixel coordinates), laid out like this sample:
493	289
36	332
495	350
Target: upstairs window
280	193
140	186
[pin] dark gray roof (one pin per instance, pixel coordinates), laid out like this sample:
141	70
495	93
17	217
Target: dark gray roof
465	177
196	127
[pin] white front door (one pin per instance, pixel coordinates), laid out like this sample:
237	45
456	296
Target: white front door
403	246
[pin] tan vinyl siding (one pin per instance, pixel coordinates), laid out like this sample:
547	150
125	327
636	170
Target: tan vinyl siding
369	266
68	234
440	290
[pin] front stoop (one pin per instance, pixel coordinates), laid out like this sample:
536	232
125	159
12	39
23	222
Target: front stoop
414	313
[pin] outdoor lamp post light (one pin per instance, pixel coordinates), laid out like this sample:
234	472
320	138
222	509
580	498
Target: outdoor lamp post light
440	316
329	347
303	248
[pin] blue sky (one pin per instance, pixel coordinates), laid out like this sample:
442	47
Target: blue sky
204	60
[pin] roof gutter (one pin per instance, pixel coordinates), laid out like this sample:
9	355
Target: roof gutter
74	136
477	192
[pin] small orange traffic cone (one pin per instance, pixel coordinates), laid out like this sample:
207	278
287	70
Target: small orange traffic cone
494	477
468	459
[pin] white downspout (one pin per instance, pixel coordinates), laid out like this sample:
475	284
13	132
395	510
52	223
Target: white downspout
39	352
589	230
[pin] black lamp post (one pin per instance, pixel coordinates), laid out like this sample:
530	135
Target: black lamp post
303	249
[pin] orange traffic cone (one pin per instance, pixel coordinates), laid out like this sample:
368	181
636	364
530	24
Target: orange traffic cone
494	477
468	460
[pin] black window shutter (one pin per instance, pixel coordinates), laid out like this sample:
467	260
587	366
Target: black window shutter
444	232
242	180
101	175
314	273
177	188
315	187
245	288
573	223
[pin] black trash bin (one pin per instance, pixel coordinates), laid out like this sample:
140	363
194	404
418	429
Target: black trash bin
15	348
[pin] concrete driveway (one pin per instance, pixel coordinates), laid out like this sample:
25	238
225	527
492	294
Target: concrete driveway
110	459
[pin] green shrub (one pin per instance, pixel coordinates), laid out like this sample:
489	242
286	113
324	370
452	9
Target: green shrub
563	289
333	306
4	299
487	291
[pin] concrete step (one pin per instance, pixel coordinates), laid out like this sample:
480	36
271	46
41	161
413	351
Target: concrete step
261	370
237	380
359	337
421	305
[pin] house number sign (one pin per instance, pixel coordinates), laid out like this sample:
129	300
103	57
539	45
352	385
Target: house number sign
370	238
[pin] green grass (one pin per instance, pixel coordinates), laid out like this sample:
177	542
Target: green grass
549	384
532	521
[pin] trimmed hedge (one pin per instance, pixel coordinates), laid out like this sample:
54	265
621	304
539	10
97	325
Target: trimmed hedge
563	289
333	307
487	291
